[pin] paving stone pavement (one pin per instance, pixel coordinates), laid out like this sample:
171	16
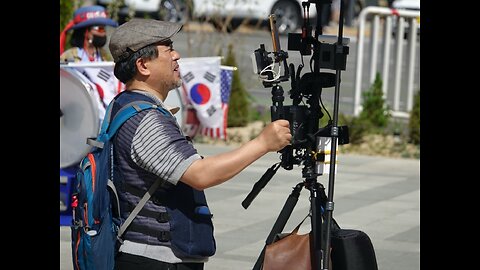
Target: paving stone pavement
380	196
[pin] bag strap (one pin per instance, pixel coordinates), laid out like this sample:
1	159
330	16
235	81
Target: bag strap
107	118
110	127
334	224
138	207
126	99
300	224
128	111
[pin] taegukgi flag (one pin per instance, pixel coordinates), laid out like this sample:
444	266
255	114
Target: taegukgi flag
201	83
100	76
192	125
107	85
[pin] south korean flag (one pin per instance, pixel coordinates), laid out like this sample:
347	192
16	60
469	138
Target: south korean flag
201	81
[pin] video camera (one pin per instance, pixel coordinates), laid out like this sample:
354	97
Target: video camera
327	52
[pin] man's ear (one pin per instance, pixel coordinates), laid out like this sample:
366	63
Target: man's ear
142	67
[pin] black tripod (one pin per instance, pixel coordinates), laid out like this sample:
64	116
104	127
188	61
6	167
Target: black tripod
318	202
304	124
321	206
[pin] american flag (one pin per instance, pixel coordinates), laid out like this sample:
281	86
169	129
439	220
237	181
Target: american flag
226	75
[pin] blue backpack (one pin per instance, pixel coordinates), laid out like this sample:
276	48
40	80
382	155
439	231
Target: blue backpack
96	226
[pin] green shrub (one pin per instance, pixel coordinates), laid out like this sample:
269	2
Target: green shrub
374	115
258	113
374	118
238	105
414	121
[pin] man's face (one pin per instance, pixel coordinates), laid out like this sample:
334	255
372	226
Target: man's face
164	68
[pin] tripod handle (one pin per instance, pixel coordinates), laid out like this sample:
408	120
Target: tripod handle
287	157
259	185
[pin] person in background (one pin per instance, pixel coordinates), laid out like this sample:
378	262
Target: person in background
174	229
88	39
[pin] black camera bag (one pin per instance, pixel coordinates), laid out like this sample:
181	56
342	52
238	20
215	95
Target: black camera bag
352	250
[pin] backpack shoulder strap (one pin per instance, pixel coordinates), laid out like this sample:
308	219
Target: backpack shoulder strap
128	103
110	126
128	111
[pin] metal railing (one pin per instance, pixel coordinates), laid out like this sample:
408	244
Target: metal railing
387	15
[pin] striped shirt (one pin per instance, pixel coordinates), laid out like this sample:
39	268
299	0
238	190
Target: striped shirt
160	147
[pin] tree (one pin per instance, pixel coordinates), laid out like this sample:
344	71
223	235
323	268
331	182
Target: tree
375	113
238	104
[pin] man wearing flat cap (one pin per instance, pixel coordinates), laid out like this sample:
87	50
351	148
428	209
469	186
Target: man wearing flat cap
174	229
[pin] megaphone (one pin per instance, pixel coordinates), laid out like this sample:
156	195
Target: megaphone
79	116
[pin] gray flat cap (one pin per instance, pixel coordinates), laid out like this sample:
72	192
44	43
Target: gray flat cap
138	33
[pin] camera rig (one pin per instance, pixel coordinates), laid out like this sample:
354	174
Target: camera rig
311	145
327	53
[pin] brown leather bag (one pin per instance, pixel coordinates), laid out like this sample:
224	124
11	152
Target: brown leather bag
292	252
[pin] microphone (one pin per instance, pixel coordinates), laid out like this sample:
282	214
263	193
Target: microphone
275	38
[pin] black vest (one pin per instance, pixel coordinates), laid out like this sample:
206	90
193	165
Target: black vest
176	215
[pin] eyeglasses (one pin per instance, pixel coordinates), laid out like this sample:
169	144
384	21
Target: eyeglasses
100	29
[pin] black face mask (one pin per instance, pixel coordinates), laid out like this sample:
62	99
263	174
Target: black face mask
99	41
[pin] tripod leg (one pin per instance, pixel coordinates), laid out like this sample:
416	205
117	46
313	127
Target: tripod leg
320	227
280	222
316	202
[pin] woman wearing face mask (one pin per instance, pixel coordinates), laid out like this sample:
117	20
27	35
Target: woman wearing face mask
87	45
88	37
87	42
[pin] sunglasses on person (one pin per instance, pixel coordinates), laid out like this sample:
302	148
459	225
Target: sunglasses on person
98	28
